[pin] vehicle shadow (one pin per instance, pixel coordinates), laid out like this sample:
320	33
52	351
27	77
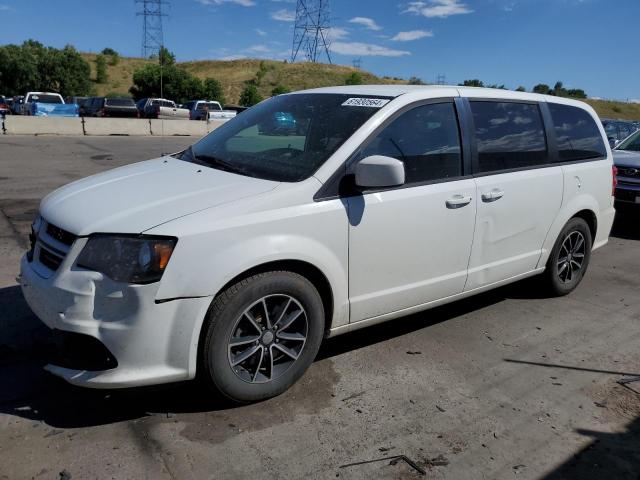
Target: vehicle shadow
30	392
626	225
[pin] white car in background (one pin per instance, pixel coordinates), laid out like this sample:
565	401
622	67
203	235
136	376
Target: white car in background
310	215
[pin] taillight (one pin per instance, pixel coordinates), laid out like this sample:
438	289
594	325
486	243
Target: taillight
614	179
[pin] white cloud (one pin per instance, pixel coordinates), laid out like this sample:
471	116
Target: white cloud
244	3
412	35
438	8
337	33
5	8
365	50
369	23
233	57
259	49
284	15
260	32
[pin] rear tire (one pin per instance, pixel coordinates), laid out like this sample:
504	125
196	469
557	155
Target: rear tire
261	335
569	258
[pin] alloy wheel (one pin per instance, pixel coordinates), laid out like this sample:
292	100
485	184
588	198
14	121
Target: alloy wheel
571	256
268	338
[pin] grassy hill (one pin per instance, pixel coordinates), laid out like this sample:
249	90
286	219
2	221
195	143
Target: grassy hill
296	76
234	73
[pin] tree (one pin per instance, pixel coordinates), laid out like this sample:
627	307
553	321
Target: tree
542	88
101	69
212	90
521	89
279	90
250	96
108	51
416	81
472	83
177	84
576	93
166	57
559	90
354	78
32	66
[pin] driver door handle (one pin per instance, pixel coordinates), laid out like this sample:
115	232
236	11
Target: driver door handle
492	196
458	201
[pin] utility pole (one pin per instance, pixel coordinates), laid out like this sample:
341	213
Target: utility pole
310	33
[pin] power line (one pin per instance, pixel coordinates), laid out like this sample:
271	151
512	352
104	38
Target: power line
311	30
152	13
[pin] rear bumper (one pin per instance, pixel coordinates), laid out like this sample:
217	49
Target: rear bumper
150	342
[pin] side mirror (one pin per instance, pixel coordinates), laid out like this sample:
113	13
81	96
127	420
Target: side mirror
613	143
379	171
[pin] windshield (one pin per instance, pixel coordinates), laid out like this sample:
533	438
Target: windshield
632	143
41	98
120	102
286	138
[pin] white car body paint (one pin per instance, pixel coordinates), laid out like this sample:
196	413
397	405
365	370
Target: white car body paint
384	255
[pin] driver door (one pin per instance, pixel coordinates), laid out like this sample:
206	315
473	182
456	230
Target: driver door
410	245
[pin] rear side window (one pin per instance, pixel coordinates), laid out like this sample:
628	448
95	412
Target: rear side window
509	135
577	133
426	139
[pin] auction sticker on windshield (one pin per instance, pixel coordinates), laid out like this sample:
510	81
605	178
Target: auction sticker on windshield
365	102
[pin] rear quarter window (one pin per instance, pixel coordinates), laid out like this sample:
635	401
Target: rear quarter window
577	134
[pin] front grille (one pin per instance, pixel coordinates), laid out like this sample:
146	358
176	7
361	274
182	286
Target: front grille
629	172
50	245
60	235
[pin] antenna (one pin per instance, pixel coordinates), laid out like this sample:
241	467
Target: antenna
152	36
310	34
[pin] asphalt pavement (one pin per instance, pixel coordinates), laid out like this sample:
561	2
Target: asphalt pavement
507	384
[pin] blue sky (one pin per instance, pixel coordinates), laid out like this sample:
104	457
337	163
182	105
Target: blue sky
587	44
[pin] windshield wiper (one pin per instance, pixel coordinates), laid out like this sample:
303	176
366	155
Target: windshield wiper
215	162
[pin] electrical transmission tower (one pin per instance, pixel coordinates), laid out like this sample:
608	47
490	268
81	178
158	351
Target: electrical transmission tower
356	62
441	79
310	34
151	12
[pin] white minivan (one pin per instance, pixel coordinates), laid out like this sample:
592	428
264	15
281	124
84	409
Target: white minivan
313	214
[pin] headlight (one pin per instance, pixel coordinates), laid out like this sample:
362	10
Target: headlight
130	259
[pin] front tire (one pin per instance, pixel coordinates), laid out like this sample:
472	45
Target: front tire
261	335
569	258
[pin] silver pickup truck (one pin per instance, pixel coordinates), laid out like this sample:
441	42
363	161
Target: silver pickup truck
162	109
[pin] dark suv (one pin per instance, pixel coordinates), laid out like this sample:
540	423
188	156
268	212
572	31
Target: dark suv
109	107
627	159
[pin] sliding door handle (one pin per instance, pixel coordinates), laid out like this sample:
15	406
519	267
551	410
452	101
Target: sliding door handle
492	196
458	201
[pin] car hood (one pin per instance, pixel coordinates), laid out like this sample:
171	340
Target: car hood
140	196
626	158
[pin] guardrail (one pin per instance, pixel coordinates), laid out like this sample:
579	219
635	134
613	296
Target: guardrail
28	125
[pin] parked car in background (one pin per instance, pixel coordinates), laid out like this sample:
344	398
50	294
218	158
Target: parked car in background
16	105
617	130
77	100
40	97
208	109
5	107
627	160
161	108
109	107
235	108
233	259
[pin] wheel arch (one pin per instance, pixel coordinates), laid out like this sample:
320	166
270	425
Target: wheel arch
307	270
589	216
